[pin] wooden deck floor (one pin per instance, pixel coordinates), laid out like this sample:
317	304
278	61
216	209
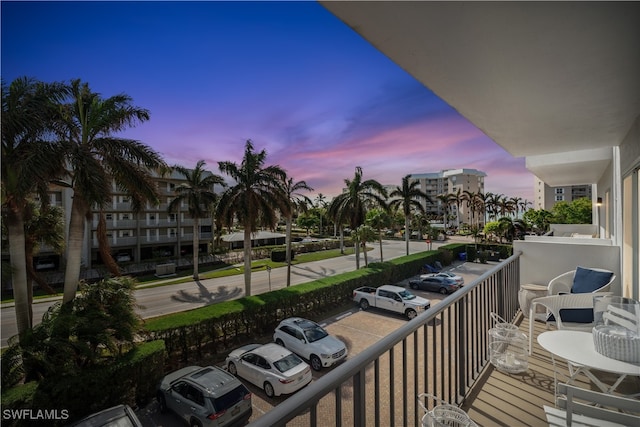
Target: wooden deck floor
501	399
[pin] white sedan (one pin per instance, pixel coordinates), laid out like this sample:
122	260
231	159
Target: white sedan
459	279
271	367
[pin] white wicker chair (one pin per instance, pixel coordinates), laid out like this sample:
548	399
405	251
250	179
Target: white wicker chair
555	303
581	407
564	282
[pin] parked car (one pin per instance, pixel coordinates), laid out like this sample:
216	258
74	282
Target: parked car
118	416
459	279
392	298
45	264
434	283
271	367
310	341
123	257
206	396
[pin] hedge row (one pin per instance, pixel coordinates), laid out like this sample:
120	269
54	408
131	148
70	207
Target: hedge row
131	380
216	328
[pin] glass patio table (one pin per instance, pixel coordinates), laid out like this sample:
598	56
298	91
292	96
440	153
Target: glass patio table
577	348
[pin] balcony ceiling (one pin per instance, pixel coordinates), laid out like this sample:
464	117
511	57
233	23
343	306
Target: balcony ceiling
539	78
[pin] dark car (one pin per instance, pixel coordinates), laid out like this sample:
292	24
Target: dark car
118	416
444	285
205	397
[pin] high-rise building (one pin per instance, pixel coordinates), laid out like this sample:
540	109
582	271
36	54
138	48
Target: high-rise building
546	197
449	181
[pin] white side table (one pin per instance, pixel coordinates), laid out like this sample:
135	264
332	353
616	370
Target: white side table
528	293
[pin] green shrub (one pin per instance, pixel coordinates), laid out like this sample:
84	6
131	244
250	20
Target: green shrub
483	256
472	253
215	328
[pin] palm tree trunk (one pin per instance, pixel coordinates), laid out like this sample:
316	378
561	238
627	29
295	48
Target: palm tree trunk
79	210
103	246
364	249
196	247
288	249
380	241
15	231
407	232
247	260
357	249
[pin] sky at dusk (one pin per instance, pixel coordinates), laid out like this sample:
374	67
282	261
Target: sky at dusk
287	75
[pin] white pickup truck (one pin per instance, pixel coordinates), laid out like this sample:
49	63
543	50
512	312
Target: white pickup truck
392	298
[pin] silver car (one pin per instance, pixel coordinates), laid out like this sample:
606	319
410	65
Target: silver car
206	396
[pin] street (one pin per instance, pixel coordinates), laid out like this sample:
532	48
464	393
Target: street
158	301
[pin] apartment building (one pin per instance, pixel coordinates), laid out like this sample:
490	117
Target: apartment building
136	236
449	181
546	196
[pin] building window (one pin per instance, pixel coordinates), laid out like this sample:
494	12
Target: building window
172	217
559	198
559	190
172	232
108	216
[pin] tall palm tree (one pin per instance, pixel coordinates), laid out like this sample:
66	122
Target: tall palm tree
351	206
321	205
456	199
364	234
378	218
254	200
493	205
95	158
444	201
28	163
409	197
515	203
198	192
297	202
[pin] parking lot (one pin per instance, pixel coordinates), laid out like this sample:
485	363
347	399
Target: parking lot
357	329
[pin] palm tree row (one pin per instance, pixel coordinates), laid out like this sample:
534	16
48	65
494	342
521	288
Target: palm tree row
65	134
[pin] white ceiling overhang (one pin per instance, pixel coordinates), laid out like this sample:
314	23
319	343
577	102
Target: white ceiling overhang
539	78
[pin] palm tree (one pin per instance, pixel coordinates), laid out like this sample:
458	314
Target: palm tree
456	199
95	158
408	197
198	192
378	219
444	201
297	202
44	224
254	200
28	163
515	202
351	206
321	205
364	234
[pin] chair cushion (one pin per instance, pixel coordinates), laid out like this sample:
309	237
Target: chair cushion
586	280
577	315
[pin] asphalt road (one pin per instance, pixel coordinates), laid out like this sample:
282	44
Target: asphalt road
157	301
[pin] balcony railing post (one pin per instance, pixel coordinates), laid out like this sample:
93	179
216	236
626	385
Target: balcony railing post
359	402
462	346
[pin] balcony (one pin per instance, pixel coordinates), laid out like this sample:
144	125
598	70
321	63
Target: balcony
443	352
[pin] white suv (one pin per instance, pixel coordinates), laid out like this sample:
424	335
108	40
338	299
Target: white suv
310	341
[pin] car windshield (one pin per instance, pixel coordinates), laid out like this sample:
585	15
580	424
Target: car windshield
315	333
287	362
406	295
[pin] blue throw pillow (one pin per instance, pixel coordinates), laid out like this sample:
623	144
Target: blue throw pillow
586	280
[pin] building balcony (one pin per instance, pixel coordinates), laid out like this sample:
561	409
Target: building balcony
444	352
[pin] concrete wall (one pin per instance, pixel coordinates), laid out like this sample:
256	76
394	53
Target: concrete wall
542	261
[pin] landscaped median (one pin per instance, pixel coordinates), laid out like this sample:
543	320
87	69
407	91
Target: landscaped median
212	330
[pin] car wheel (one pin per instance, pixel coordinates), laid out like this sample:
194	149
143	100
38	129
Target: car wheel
162	403
364	304
316	363
443	291
268	390
411	314
279	342
231	367
413	286
195	423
